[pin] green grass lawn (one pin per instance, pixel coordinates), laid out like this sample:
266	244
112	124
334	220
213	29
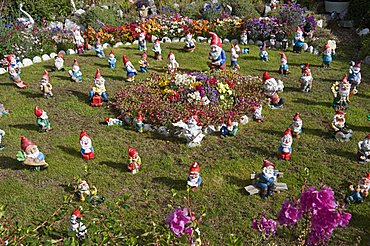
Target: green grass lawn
226	164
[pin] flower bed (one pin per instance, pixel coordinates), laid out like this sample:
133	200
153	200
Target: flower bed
167	99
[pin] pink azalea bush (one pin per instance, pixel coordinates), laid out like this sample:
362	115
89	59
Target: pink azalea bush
179	222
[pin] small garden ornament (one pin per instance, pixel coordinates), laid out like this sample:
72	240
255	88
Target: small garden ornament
172	64
112	60
59	62
360	191
157	50
45	86
244	37
14	62
284	68
217	55
99	49
264	55
341	132
42	120
79	41
298	41
297	125
327	56
87	150
139	124
257	113
144	64
16	78
98	93
85	193
341	91
234	57
189	42
131	72
3	111
306	78
191	131
134	160
271	87
142	41
285	149
194	179
75	74
363	153
31	156
2	134
77	226
354	76
229	129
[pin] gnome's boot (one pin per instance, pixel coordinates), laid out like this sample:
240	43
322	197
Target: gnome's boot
263	193
270	190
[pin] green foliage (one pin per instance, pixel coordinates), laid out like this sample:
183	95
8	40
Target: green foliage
359	12
246	9
365	49
190	10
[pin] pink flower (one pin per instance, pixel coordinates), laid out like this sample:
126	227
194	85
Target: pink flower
264	226
289	213
178	221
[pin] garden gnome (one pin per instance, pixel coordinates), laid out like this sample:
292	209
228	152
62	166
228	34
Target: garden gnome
283	69
144	64
306	78
99	49
271	87
85	193
297	125
229	129
139	124
172	64
354	76
15	77
327	54
267	179
272	40
359	192
217	55
285	149
257	113
77	226
78	40
99	87
87	150
134	160
298	41
341	91
75	73
264	55
3	111
189	42
142	41
191	131
363	154
2	134
45	86
59	62
339	126
244	37
31	156
112	60
130	70
42	119
194	179
157	50
14	62
234	57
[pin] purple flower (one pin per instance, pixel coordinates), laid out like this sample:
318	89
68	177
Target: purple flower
289	213
178	220
264	226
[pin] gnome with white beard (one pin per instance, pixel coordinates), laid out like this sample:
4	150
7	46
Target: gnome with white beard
217	55
341	132
77	226
297	125
42	119
87	150
341	91
267	179
285	149
59	62
172	64
45	85
157	50
75	73
31	156
363	154
271	87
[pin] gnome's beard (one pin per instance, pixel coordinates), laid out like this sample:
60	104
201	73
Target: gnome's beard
270	85
297	124
327	52
86	144
59	62
286	142
44	115
75	69
34	155
344	90
366	145
215	52
99	83
268	172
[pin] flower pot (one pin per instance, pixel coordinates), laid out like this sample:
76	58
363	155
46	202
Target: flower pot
338	6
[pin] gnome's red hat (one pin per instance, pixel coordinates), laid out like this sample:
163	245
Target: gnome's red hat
297	116
327	46
111	52
98	41
307	66
9	58
156	41
169	54
97	74
38	111
83	134
77	213
358	64
339	112
368	176
188	32
46	75
61	55
215	40
283	56
287	132
299	29
267	163
368	136
140	116
345	78
194	168
132	152
75	62
25	142
229	122
266	76
245	30
144	55
125	59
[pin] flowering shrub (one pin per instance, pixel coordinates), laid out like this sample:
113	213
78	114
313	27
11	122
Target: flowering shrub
261	28
167	99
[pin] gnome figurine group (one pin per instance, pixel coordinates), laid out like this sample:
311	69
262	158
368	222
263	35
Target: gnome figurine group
306	78
31	156
75	74
285	149
87	150
77	226
217	55
194	179
191	131
363	153
134	160
42	120
271	87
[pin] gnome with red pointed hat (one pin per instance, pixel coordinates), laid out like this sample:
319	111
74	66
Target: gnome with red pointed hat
327	56
142	41
244	37
298	40
271	87
59	62
341	132
363	154
359	192
139	121
264	55
87	150
189	42
79	41
45	85
98	88
297	125
42	119
306	78
284	68
134	160
14	62
131	72
229	129
341	91
267	179
172	64
112	60
16	77
194	179
354	76
75	73
99	49
217	55
77	226
31	156
285	149
157	50
144	64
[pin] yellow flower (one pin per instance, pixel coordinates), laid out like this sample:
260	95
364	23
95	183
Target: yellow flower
222	97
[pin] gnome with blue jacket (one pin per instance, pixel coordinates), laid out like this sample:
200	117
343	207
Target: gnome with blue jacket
298	41
217	55
267	179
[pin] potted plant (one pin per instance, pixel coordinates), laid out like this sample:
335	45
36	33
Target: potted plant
338	6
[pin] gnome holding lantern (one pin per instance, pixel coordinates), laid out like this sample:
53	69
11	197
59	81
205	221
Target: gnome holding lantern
87	150
285	149
172	64
354	76
142	41
131	72
75	74
341	92
217	55
45	86
59	62
271	87
98	92
16	77
31	156
194	179
363	154
229	129
341	132
189	42
134	160
298	41
144	64
157	50
112	60
283	69
264	55
42	119
306	78
77	226
297	125
267	179
191	131
99	49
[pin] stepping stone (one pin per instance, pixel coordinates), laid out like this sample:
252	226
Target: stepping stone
27	62
175	40
36	59
2	71
106	45
119	44
128	43
259	43
199	39
166	40
182	40
71	52
250	41
45	57
135	42
226	41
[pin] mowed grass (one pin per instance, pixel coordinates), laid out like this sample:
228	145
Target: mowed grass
226	164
